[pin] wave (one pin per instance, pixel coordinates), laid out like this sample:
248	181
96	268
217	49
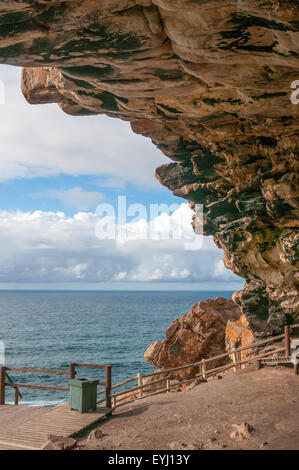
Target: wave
40	403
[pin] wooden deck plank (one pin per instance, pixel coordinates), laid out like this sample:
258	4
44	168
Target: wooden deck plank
9	446
24	427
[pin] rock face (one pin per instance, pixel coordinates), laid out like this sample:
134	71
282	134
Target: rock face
210	83
198	335
238	333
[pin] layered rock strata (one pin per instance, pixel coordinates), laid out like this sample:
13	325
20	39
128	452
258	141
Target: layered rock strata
210	83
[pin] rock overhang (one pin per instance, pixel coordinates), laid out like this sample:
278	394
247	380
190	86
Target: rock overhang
210	83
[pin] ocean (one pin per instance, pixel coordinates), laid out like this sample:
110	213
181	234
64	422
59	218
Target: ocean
51	329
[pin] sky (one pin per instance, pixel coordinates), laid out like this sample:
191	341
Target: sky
62	180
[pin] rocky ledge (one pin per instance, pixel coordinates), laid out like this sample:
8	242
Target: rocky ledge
210	83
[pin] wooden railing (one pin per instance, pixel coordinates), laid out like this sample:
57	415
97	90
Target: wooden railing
143	390
17	391
6	381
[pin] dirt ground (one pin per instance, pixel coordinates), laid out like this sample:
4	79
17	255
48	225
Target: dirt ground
203	418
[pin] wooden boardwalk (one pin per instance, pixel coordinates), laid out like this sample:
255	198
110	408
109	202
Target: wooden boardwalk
26	428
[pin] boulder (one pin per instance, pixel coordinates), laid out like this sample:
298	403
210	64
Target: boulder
95	434
198	335
242	431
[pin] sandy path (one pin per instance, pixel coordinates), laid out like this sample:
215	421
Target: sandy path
203	417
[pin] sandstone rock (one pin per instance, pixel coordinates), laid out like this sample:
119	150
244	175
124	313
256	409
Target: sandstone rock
59	443
195	336
211	87
242	431
95	435
238	333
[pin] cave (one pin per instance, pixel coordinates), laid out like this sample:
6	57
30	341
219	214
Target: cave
214	85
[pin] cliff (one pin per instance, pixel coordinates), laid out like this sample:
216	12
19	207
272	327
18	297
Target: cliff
209	82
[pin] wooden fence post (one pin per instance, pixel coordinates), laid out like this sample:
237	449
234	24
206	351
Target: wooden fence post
16	396
239	357
140	383
203	368
2	384
287	341
108	386
72	370
168	386
235	360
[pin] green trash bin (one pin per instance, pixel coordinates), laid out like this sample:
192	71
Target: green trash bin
83	394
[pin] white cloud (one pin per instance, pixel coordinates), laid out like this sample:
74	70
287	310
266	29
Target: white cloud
75	198
48	247
220	271
120	276
147	275
74	271
41	141
179	274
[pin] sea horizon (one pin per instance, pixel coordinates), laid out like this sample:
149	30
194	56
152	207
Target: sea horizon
114	290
